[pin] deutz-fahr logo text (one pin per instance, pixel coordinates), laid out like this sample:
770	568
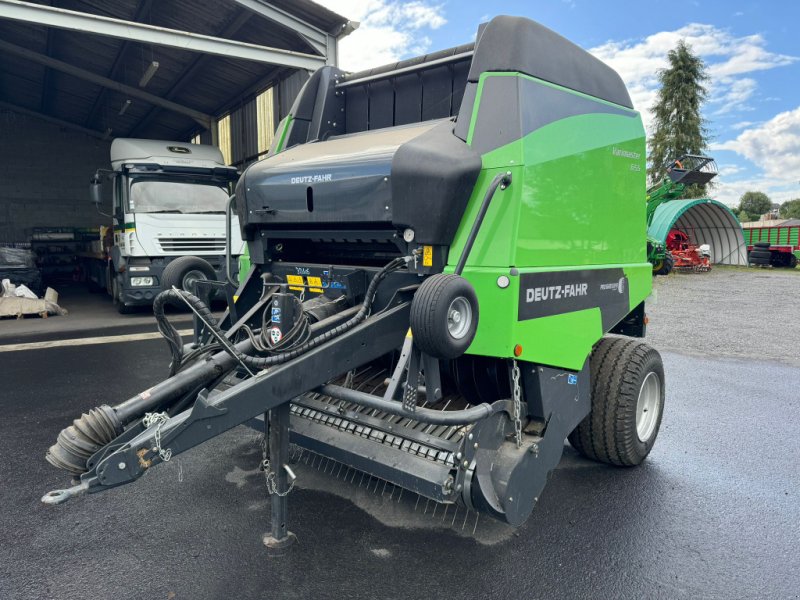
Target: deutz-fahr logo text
556	292
316	178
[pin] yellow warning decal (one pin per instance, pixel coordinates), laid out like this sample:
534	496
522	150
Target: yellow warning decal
408	335
235	298
294	281
427	256
314	282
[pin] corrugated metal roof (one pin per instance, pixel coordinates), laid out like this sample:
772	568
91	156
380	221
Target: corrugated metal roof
705	221
206	83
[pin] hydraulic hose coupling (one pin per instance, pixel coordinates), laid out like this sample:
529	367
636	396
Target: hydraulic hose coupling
78	442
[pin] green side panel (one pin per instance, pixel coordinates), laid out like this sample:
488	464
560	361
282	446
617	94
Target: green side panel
576	202
747	233
794	237
244	265
562	340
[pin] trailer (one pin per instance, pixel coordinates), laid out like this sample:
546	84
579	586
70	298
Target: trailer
439	293
167	224
773	243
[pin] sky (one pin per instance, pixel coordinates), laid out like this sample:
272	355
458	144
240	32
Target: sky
751	50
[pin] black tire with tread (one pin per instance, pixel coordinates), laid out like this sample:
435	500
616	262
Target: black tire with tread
762	245
122	308
666	265
176	270
760	254
608	434
429	315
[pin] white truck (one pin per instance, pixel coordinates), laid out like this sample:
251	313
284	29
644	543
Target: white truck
169	211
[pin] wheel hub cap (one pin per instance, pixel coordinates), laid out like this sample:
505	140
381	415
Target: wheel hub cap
459	317
648	406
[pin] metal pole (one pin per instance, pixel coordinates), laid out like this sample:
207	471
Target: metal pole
278	438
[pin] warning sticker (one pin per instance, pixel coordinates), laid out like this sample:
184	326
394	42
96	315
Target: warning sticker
275	335
315	283
294	281
427	256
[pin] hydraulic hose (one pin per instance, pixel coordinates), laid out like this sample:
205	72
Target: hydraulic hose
257	362
95	429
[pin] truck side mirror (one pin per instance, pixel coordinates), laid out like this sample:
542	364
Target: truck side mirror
96	190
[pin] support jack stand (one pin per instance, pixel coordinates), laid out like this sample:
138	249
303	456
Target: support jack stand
277	420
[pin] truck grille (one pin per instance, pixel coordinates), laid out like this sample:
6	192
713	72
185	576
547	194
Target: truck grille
183	245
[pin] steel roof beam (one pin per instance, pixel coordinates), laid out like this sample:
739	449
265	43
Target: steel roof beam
315	37
188	74
202	118
141	11
37	14
65	124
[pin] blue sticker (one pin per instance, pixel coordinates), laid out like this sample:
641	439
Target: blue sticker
276	315
337	285
572	379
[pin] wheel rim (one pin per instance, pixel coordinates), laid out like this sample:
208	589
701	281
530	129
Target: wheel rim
459	317
648	406
191	278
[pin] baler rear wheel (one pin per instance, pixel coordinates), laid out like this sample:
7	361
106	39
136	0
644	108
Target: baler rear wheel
627	379
444	316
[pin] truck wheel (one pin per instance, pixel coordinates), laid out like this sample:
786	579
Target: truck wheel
760	254
627	379
444	316
792	261
116	296
185	271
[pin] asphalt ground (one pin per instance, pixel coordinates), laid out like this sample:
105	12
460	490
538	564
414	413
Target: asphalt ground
714	512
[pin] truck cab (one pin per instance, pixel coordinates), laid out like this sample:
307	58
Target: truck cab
169	201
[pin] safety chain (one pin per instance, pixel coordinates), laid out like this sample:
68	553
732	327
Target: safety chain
269	474
517	403
158	419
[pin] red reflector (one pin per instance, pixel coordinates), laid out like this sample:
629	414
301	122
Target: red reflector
517	350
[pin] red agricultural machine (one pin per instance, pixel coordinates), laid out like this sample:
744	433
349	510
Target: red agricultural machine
687	256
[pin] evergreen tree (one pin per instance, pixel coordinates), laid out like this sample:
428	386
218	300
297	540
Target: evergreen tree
678	125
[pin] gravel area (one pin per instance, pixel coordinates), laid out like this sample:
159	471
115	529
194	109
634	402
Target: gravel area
728	312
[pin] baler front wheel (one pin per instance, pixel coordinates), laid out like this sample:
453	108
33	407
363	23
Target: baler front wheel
444	316
627	403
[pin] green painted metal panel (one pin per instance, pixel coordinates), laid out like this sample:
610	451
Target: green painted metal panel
576	202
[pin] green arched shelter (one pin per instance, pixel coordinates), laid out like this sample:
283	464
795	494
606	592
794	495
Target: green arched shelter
705	221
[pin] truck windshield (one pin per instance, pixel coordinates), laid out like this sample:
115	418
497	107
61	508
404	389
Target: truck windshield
159	196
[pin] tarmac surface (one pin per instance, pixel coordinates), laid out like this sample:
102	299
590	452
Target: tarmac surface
714	512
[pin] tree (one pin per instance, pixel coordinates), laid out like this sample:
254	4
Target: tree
755	204
790	209
678	126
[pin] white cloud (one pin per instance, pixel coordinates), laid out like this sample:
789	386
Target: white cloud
389	30
730	191
728	58
774	146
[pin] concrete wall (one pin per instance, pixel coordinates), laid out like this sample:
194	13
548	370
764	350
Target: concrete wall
44	176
